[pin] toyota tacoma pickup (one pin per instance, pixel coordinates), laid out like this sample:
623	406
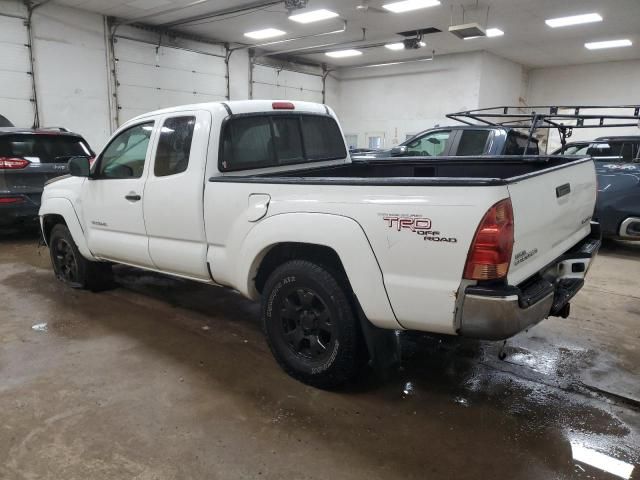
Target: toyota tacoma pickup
262	197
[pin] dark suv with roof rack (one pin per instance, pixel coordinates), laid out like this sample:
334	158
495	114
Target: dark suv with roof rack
28	158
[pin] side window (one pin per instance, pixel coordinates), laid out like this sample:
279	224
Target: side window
174	146
430	145
472	142
125	155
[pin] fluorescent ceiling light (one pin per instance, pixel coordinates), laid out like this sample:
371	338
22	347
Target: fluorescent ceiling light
264	33
491	32
313	16
573	20
608	44
343	53
408	5
400	45
601	461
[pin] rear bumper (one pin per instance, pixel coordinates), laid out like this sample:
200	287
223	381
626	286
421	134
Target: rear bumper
25	210
499	312
630	229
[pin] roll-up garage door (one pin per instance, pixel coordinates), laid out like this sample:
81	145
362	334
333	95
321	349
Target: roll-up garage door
278	84
150	77
15	76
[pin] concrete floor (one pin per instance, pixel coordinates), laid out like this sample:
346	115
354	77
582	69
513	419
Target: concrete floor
162	378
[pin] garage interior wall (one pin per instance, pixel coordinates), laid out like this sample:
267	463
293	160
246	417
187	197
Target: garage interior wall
279	83
610	83
395	101
386	103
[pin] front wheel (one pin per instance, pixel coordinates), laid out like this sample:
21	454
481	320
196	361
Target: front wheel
71	267
310	324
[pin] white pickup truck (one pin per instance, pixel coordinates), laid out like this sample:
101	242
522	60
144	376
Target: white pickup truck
262	197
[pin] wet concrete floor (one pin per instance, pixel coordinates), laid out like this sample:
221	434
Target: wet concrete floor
163	378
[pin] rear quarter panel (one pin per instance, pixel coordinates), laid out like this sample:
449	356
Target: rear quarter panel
420	237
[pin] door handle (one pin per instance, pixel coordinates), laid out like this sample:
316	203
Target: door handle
132	197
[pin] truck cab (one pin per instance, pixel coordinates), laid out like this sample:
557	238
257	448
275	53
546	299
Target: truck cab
460	140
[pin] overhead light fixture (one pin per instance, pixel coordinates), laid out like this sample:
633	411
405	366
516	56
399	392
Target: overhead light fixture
491	32
402	46
313	16
609	44
468	31
343	53
573	20
408	5
265	33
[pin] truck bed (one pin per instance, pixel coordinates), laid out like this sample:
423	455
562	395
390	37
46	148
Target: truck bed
445	171
552	197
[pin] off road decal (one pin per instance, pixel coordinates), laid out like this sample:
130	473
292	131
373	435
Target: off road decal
416	224
523	256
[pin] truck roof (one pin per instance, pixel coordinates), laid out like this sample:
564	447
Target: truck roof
620	138
243	106
38	131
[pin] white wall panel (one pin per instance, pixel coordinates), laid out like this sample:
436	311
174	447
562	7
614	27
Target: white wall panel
71	71
277	84
394	101
610	83
15	81
150	77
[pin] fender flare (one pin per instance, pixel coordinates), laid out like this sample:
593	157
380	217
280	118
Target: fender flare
342	234
63	207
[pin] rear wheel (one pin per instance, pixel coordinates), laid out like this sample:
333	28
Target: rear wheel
310	324
71	267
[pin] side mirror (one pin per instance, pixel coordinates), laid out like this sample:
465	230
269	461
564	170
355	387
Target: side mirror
400	150
79	166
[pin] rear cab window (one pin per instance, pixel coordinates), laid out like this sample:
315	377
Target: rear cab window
473	142
269	140
517	144
44	147
625	152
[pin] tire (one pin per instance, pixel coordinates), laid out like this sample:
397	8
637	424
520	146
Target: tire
311	326
71	268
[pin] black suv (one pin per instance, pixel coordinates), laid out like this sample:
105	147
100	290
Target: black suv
28	158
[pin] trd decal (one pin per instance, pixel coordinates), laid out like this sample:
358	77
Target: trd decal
415	223
412	223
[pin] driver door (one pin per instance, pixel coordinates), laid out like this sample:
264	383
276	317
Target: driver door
112	198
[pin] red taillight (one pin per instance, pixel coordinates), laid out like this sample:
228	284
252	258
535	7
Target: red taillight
490	253
11	163
10	200
283	106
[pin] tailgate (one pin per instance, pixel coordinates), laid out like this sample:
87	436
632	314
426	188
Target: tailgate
552	212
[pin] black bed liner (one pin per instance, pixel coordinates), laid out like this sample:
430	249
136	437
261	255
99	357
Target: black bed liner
418	171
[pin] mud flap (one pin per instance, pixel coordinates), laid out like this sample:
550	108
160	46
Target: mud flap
383	346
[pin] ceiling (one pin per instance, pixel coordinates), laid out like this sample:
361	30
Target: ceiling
527	39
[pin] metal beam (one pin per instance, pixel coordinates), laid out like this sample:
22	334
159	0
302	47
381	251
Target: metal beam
223	12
